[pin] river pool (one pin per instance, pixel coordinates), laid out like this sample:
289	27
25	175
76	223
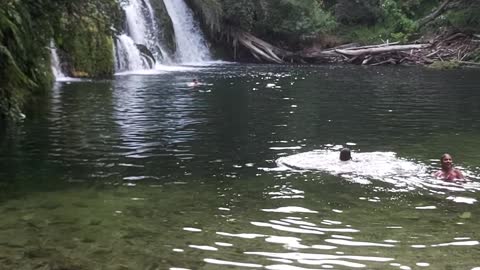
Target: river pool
148	172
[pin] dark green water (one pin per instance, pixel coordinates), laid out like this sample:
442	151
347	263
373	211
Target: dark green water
144	172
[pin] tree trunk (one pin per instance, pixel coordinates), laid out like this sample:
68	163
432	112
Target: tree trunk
430	17
261	49
378	50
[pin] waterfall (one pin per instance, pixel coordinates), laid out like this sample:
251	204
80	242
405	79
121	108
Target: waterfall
142	31
191	46
140	47
128	56
55	62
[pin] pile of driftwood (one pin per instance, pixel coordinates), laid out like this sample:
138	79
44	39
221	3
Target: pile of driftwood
388	53
456	46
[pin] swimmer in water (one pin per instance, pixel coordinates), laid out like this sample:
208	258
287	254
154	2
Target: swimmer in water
193	83
448	172
345	154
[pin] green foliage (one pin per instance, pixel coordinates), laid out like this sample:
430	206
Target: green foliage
397	21
365	12
474	56
416	9
11	79
303	17
467	20
211	13
299	17
22	61
83	33
444	65
26	28
89	48
268	19
381	20
240	14
365	34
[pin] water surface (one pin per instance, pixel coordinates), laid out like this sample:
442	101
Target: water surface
147	172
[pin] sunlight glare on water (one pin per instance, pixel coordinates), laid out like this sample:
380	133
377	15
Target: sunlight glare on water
241	171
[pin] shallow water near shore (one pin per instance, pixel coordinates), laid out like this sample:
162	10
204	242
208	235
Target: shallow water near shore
147	172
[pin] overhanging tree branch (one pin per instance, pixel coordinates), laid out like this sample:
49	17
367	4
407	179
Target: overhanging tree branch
437	12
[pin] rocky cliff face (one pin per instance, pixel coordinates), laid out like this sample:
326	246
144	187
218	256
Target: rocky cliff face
82	30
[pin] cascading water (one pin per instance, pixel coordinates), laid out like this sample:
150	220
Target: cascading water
56	68
128	56
142	30
191	46
141	48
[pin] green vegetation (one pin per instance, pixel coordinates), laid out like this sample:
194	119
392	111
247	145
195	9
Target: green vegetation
466	20
24	60
289	22
286	21
443	65
83	31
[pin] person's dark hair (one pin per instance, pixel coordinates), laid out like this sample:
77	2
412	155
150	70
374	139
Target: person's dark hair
345	154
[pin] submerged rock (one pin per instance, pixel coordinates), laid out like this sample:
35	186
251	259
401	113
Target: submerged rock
146	54
466	215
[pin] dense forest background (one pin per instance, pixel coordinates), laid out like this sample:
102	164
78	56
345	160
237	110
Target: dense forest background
85	30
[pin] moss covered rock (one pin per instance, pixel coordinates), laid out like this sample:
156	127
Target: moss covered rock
24	57
84	36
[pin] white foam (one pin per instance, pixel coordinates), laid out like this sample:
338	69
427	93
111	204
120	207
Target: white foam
405	175
372	165
159	69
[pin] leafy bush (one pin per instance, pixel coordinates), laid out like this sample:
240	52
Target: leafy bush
467	20
357	12
365	34
474	56
26	28
444	65
397	21
295	17
23	59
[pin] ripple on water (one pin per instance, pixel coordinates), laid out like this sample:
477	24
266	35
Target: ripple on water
404	175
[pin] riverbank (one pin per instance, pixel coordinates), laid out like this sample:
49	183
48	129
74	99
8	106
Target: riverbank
317	33
445	51
93	39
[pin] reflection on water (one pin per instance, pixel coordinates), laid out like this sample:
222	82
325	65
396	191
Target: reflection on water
242	171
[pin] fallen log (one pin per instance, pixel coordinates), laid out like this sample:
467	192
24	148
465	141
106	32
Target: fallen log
261	49
456	46
386	49
346	46
372	46
437	12
468	63
389	61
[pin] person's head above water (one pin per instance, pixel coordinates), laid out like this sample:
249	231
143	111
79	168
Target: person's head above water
448	172
446	162
345	154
